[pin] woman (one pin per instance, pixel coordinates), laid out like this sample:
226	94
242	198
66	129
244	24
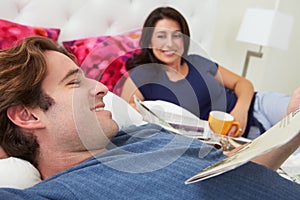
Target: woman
163	70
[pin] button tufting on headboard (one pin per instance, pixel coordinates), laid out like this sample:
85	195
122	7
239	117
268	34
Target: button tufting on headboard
79	19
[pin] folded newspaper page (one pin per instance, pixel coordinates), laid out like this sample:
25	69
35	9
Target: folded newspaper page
279	134
174	118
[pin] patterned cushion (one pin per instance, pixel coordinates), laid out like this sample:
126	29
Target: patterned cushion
82	47
11	33
114	75
103	58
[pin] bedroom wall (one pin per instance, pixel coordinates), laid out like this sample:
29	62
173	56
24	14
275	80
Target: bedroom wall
278	70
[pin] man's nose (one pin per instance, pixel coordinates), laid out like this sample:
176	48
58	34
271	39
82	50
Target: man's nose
99	89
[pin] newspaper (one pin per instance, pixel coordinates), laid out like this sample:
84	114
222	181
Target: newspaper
279	134
179	121
182	122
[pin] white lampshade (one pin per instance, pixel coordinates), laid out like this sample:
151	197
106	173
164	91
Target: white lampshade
266	27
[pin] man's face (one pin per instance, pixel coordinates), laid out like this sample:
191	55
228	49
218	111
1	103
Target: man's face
77	120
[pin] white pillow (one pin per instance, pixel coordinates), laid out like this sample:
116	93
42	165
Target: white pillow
124	114
18	173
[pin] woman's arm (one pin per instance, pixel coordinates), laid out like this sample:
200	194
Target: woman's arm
244	91
129	90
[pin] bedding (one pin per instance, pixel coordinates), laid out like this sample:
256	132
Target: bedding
12	33
124	114
82	47
18	173
103	58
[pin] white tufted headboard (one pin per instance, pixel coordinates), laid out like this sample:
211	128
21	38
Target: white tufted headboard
85	18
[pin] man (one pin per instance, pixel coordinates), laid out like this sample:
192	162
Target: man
54	117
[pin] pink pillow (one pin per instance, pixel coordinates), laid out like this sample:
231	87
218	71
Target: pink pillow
114	74
11	33
82	47
104	58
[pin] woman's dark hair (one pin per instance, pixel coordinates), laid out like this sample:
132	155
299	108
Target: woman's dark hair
146	55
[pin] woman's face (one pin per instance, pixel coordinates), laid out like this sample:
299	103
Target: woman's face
167	42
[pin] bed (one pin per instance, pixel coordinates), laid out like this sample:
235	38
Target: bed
98	27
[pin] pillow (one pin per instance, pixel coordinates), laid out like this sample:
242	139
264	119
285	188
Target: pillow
103	58
82	47
115	74
18	173
11	33
123	113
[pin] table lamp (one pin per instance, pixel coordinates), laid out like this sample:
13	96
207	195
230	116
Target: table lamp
264	27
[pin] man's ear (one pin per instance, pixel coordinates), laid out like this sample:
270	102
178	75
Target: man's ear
24	117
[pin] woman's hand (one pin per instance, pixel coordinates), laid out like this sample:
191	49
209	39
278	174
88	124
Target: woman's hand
241	117
244	92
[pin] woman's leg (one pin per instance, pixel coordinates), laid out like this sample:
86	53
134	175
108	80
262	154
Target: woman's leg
295	101
270	107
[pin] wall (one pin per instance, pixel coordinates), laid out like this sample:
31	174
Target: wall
278	69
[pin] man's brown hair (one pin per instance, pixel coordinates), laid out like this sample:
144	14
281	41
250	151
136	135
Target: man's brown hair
22	70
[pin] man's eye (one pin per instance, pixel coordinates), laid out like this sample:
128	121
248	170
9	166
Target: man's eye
75	82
